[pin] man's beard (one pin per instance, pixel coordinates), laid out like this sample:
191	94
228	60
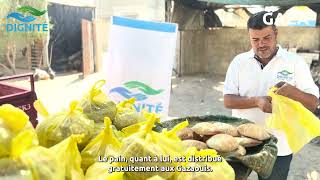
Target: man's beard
267	52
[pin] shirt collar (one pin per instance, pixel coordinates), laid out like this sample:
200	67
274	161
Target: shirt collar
281	52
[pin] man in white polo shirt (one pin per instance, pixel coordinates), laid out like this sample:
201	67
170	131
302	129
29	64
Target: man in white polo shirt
251	74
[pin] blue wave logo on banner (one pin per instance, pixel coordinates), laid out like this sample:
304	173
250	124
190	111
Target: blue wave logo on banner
26	9
128	94
145	90
21	17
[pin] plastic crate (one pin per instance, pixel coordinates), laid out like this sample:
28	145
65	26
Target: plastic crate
19	97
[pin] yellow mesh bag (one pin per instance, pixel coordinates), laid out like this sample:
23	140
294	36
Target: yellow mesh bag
147	143
100	171
12	121
57	127
105	144
127	114
39	160
69	157
96	105
205	170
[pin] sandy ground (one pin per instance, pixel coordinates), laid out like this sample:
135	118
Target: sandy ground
191	95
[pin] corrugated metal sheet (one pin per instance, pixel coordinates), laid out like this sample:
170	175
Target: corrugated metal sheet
66	32
264	2
78	3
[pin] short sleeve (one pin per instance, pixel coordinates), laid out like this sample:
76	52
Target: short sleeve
231	83
304	80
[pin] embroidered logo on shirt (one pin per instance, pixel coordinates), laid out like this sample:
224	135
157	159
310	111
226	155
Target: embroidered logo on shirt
284	75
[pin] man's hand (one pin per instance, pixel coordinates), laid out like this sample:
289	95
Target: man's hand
264	103
286	89
240	102
308	100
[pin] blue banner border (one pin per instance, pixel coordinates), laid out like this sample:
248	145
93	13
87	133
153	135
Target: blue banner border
147	25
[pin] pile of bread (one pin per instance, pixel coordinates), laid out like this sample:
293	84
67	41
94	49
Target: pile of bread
226	139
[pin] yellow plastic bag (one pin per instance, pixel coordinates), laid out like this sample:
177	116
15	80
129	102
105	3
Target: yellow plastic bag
14	170
43	164
23	142
205	170
12	121
134	128
156	177
173	132
12	166
13	118
298	123
55	128
100	171
96	105
105	144
127	114
146	143
69	157
39	160
99	127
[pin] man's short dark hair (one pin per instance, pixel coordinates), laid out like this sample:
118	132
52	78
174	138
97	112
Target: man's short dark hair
256	20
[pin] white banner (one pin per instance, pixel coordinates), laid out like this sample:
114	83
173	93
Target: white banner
140	61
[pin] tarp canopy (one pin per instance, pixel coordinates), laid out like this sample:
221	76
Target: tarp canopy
265	2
